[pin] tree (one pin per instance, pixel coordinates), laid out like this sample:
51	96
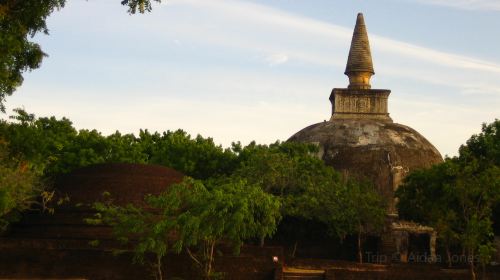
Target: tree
428	197
227	210
53	146
286	170
457	197
289	171
194	217
363	211
310	190
147	231
477	194
19	22
19	187
197	157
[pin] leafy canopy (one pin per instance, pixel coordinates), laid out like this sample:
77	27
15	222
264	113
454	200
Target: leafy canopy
457	197
195	217
310	190
19	187
20	20
55	147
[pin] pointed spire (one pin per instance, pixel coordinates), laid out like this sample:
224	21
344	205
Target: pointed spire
359	64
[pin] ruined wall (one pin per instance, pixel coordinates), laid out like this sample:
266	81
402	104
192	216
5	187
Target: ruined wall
34	263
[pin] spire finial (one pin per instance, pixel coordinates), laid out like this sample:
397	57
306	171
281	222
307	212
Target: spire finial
359	64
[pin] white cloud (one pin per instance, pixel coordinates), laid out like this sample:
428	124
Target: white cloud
433	56
485	5
278	58
252	18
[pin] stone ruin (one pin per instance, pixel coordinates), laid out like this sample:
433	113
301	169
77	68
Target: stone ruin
361	140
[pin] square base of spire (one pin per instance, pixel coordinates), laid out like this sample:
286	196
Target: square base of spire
360	104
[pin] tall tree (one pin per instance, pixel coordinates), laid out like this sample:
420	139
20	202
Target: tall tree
363	212
428	197
20	20
194	217
228	210
19	187
312	191
147	231
458	196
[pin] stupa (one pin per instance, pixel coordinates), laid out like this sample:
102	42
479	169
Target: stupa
361	139
62	245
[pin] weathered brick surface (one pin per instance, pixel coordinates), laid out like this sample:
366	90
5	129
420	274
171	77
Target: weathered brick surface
251	264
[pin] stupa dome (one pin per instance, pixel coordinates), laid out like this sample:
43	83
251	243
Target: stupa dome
360	138
125	182
380	151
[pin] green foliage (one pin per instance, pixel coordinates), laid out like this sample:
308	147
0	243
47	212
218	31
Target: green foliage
229	210
457	197
53	146
194	217
428	197
310	190
358	209
148	231
39	141
19	187
139	5
287	170
130	223
20	20
483	148
199	157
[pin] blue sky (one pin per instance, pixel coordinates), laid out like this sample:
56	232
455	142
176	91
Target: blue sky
262	70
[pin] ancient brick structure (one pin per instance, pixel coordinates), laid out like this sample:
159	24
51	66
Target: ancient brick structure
59	245
361	139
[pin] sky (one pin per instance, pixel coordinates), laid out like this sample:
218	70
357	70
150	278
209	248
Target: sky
243	70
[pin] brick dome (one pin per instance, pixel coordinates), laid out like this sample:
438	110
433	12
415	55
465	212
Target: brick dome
125	182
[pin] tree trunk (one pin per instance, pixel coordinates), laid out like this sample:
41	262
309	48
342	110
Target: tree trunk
360	248
294	248
472	272
448	255
262	241
158	267
210	258
471	265
483	270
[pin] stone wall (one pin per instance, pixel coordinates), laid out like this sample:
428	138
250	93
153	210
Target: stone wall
254	263
406	272
341	270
